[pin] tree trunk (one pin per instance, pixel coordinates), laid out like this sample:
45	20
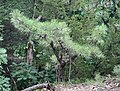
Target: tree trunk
60	73
30	53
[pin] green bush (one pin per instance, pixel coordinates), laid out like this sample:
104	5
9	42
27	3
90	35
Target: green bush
48	73
98	80
4	84
25	75
116	70
4	81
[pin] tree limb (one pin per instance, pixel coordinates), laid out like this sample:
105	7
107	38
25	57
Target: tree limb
54	50
39	86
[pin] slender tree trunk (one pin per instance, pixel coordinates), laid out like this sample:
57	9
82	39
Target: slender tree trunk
30	53
34	8
69	76
30	45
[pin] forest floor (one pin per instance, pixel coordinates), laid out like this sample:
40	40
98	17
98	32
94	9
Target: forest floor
82	87
108	85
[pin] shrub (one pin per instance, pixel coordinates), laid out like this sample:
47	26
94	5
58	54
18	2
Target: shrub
116	70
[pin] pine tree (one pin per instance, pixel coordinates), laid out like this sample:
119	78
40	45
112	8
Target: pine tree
56	35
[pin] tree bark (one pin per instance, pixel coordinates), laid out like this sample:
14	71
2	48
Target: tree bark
60	65
29	53
60	72
61	60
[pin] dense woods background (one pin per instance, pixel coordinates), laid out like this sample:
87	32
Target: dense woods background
68	41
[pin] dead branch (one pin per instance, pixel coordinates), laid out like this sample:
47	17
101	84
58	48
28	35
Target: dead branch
39	86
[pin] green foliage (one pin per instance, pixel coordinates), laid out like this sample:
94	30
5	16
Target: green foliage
116	70
55	31
49	28
4	84
7	6
97	81
48	73
91	28
20	51
4	81
3	56
98	34
82	26
51	9
42	60
85	72
24	74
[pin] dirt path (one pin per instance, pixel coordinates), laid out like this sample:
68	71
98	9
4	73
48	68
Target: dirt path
108	85
85	88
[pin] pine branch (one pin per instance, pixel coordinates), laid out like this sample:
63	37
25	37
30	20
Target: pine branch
54	31
25	24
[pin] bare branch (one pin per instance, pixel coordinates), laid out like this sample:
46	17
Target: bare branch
39	17
39	86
